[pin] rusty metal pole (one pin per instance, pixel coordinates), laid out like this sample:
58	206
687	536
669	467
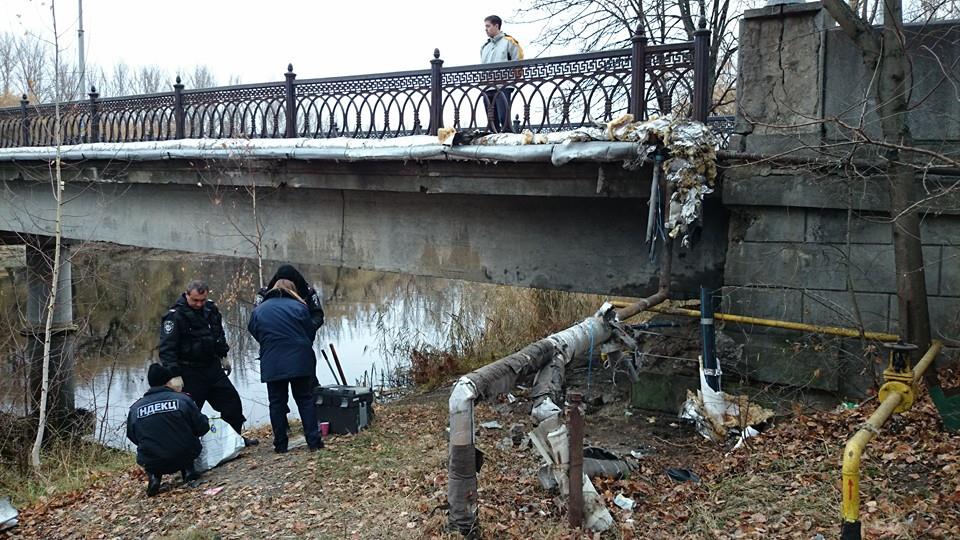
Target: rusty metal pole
702	90
575	497
638	67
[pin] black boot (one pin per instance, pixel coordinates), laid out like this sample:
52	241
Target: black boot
250	441
189	474
153	484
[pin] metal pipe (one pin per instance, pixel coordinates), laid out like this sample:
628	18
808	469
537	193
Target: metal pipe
850	487
927	359
773	323
711	367
627	310
850	505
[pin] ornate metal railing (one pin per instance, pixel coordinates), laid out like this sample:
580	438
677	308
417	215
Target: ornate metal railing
547	94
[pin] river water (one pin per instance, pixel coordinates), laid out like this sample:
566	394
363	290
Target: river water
120	294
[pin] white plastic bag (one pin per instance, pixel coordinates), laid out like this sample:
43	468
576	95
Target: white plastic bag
220	444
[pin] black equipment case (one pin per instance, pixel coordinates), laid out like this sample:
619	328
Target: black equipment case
348	408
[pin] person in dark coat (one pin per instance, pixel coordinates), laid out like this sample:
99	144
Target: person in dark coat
283	327
194	347
166	424
304	291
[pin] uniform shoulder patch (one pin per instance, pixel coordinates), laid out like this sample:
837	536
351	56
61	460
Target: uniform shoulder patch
168	326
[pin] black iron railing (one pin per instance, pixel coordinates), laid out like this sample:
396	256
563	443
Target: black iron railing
547	94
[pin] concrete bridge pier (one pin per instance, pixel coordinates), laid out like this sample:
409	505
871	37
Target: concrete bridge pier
40	252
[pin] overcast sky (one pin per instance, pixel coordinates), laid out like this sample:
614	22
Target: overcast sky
255	39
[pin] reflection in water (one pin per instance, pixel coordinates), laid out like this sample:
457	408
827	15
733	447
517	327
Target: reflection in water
120	295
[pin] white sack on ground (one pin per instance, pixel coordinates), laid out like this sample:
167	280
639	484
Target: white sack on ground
220	444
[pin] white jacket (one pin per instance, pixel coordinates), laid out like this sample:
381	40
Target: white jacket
501	48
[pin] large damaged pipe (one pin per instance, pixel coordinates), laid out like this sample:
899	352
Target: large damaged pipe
499	378
548	359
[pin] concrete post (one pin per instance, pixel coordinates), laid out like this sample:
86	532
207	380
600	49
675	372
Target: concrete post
780	82
39	258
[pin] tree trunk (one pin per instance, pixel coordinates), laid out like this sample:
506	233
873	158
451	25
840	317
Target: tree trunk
893	91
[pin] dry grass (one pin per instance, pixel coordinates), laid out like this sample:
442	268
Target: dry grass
65	466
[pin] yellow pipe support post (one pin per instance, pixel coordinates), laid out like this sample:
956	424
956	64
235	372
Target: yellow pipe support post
895	396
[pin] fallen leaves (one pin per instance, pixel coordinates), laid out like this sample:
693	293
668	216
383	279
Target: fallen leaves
390	482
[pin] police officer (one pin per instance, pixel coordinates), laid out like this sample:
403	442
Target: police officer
193	346
165	425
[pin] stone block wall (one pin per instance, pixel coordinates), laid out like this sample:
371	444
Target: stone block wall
819	253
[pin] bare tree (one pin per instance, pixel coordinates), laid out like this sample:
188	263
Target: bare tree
121	80
883	54
57	181
8	60
201	77
150	80
592	25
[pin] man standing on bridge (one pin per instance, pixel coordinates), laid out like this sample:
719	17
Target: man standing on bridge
193	346
499	47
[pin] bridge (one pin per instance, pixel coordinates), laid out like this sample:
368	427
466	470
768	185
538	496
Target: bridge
135	174
324	171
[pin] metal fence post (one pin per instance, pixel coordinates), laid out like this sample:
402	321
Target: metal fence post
575	493
24	121
291	102
93	133
178	113
638	66
701	72
436	93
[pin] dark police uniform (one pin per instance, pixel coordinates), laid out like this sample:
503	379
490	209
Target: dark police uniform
192	343
165	426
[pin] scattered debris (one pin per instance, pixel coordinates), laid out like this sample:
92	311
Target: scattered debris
505	444
717	414
544	410
8	515
623	502
683	475
643	451
493	424
517	434
552	441
213	491
601	462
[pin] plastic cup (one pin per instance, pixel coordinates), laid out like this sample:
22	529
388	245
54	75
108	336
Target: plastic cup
324	428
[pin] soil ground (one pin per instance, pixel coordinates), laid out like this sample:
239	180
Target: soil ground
390	482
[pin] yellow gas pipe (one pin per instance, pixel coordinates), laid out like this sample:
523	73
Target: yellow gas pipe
895	396
788	325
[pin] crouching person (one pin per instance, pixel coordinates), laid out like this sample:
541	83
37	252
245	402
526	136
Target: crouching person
166	425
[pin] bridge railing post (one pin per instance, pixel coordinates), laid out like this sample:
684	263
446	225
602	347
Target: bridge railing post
24	121
701	72
436	93
638	66
290	102
93	130
179	116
